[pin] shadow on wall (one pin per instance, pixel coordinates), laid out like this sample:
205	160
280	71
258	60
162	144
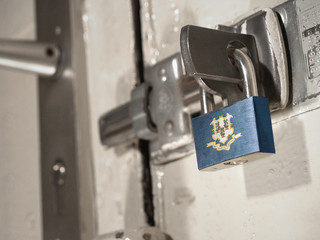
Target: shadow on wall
286	169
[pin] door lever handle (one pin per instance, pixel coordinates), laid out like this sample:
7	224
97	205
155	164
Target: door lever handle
28	56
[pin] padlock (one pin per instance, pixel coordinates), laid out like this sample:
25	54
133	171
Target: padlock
233	135
237	133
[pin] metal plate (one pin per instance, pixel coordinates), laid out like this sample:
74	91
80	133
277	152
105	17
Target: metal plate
62	123
205	57
205	53
300	21
308	27
174	139
264	26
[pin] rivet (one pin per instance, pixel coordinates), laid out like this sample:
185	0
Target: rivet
168	127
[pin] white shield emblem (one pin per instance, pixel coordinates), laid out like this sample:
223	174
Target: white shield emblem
222	133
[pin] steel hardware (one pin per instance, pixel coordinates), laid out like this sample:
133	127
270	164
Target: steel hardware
34	57
59	172
263	37
159	112
243	63
207	55
203	51
265	27
233	142
66	171
58	54
297	22
129	121
210	66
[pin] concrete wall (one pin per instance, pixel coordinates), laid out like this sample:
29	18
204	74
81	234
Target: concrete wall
20	201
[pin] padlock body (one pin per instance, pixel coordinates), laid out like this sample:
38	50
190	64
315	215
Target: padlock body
233	135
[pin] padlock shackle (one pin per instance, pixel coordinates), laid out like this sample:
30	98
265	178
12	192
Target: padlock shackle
241	60
246	68
206	101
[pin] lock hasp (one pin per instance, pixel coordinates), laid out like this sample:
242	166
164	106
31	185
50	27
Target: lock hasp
233	135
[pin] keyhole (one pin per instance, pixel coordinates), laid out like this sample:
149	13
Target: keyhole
49	52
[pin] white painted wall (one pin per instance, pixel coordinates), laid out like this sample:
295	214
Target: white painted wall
111	76
20	199
272	198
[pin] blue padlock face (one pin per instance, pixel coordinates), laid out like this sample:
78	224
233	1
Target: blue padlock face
231	135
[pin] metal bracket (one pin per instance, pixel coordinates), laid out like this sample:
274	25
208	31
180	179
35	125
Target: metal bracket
159	112
265	27
204	53
174	139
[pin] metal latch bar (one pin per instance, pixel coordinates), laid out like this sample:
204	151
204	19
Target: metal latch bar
162	111
159	111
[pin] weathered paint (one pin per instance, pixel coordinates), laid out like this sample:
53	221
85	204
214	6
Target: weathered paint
271	198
